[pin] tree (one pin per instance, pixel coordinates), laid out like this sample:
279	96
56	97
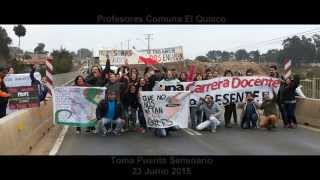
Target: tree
84	53
62	61
202	58
316	40
299	50
40	49
20	31
14	51
241	54
225	55
214	54
5	40
254	55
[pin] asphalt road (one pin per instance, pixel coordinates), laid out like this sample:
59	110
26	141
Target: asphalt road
60	79
233	141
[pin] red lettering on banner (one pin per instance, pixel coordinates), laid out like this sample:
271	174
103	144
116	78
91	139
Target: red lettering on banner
244	83
198	89
251	82
235	82
215	86
276	83
226	83
257	82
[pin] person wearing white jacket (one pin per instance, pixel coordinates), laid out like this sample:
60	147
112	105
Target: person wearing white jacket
212	112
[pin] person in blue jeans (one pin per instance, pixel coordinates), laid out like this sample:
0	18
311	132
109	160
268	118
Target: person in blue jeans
110	112
249	115
288	99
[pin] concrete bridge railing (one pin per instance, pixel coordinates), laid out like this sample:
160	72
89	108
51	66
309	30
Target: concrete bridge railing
308	111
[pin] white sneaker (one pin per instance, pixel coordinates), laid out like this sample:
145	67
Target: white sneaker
77	132
213	131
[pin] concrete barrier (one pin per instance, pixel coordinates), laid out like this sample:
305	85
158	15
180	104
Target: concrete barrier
308	111
22	130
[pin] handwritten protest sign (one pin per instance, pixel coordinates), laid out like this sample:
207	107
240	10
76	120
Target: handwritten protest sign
23	94
163	109
23	97
76	106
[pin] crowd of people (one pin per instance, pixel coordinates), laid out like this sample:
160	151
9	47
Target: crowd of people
121	109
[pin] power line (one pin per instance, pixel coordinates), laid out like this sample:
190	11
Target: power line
276	40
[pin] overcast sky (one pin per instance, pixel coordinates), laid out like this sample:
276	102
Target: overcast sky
195	39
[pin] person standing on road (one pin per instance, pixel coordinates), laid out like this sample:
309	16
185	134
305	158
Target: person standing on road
212	112
249	72
80	82
230	109
289	100
167	84
4	95
273	71
133	106
249	115
109	112
198	77
11	70
183	77
95	78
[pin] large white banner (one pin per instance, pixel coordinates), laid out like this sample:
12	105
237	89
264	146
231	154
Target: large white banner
18	80
163	55
163	109
76	106
227	89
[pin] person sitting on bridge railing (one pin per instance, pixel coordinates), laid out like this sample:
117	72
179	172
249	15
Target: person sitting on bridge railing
41	86
109	112
4	95
249	115
270	111
212	112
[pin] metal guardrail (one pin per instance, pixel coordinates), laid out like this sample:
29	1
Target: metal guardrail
311	87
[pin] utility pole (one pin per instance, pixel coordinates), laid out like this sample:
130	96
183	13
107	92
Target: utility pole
128	43
121	45
148	37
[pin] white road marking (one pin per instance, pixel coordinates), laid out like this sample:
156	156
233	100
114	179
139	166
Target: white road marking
310	128
59	141
61	136
195	132
185	130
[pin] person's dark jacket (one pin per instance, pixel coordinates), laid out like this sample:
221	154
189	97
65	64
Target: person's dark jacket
102	109
131	99
119	86
95	82
289	91
42	88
